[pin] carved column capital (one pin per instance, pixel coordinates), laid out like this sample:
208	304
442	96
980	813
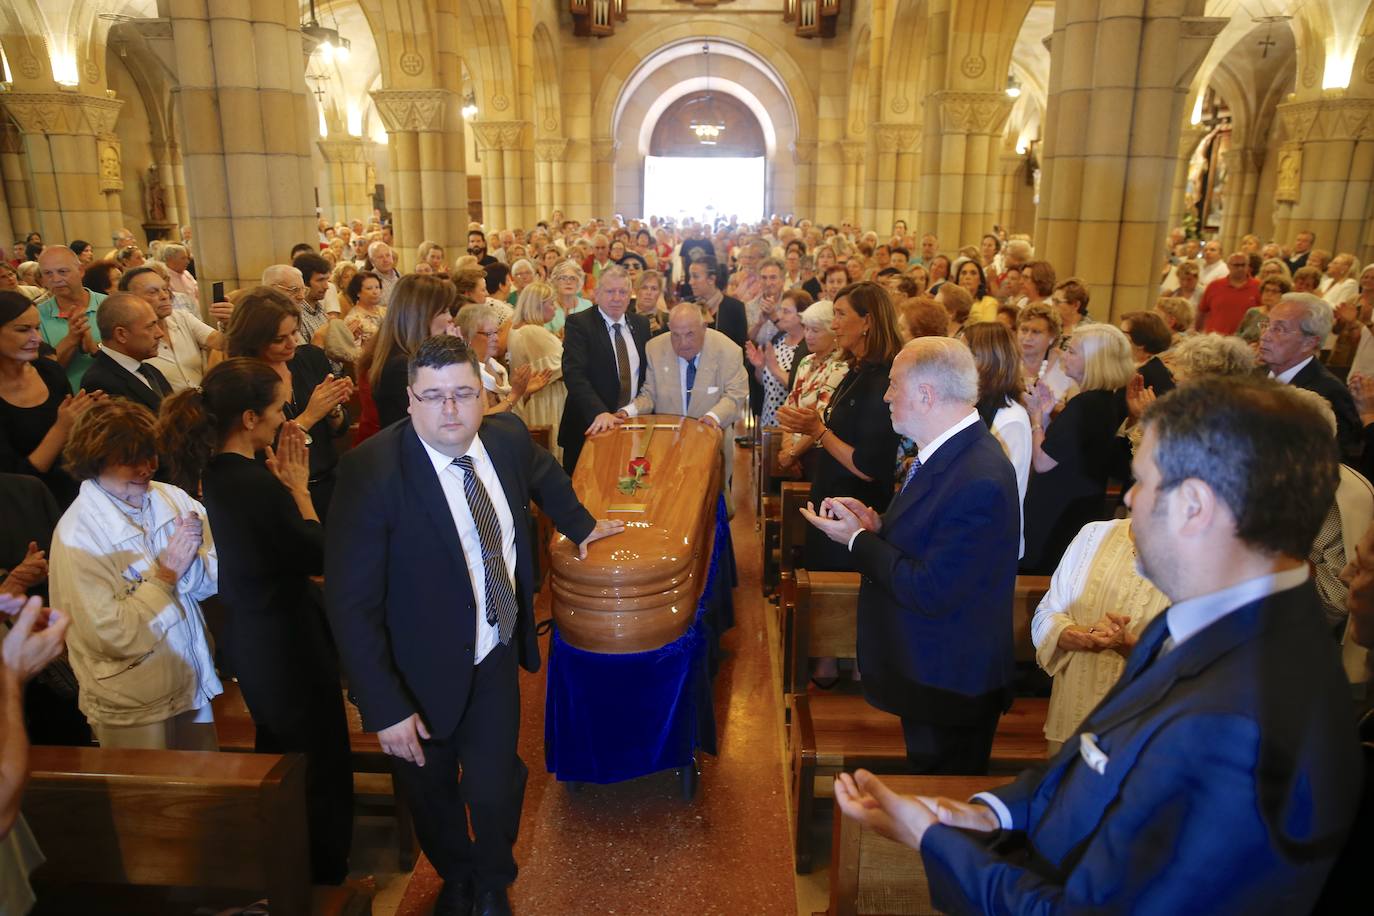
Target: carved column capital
551	149
350	149
804	152
1328	119
971	112
413	109
853	151
62	112
498	135
897	138
604	149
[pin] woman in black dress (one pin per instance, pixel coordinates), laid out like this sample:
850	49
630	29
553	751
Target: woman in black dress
264	327
37	407
1070	462
856	447
270	543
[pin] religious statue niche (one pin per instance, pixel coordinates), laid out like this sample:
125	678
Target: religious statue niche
596	18
154	197
1290	174
1206	179
111	173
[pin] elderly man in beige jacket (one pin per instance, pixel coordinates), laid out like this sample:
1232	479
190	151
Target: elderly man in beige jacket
694	371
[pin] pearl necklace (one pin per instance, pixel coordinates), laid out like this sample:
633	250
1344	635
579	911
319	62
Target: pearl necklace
1035	380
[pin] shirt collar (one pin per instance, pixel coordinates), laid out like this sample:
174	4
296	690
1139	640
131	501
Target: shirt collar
441	461
610	322
1287	375
1187	618
928	451
121	521
125	361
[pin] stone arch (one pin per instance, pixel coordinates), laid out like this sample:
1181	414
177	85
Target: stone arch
676	70
491	63
982	35
905	67
548	113
770	59
859	116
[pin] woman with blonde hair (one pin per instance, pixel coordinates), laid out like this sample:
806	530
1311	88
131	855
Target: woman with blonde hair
432	253
420	307
1037	335
1073	458
530	343
567	278
480	325
648	301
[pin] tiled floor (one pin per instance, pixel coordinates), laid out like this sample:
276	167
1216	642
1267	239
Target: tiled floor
636	847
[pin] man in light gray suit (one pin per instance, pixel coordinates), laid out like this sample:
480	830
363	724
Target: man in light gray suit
694	371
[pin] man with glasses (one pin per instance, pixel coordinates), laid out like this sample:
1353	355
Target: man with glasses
429	580
1226	300
1290	344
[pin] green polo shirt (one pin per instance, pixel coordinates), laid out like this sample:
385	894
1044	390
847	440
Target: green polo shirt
55	328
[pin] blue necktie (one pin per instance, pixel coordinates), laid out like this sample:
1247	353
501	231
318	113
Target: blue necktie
691	382
501	604
1147	647
910	473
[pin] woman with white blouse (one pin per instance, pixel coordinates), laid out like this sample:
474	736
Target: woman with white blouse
1001	397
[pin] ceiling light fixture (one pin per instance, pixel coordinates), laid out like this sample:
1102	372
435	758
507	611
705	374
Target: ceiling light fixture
707	126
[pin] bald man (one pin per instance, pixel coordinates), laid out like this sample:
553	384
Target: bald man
130	333
694	371
67	320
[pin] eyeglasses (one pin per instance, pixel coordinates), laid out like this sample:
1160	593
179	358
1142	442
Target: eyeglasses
487	334
459	397
290	290
1281	328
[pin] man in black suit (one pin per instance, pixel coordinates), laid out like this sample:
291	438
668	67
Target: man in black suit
603	363
1290	348
725	313
939	567
129	334
1302	247
429	631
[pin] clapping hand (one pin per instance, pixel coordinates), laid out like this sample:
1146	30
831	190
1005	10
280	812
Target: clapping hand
753	353
1362	390
1138	397
327	395
182	547
538	380
35	638
802	420
32	570
903	818
840	519
290	462
1042	402
605	527
74	405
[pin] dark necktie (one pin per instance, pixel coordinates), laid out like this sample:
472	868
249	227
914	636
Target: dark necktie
158	384
910	473
501	605
691	381
622	361
1147	647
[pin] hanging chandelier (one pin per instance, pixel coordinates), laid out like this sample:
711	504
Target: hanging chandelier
707	125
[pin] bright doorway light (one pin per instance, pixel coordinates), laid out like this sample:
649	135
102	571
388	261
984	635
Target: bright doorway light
704	188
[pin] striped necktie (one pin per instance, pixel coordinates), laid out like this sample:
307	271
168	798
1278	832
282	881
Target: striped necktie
910	473
501	604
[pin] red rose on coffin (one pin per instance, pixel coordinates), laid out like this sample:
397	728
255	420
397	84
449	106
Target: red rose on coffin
639	466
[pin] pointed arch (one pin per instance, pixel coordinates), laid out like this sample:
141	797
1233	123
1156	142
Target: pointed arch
548	108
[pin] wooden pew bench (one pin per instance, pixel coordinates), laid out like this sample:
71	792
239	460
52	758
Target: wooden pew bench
768	478
115	823
870	874
234	726
838	731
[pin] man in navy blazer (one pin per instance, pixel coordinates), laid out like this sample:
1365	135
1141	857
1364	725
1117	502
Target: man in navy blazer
939	567
597	384
428	554
1221	774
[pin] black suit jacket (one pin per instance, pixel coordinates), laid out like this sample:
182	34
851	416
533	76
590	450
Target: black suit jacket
1316	377
104	374
398	593
733	322
935	630
590	374
30	514
1297	262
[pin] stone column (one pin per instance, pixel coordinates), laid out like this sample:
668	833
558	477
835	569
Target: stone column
1118	89
908	175
967	126
1326	171
1188	139
246	133
19	209
424	127
73	162
804	157
549	154
882	205
1243	167
603	168
348	161
851	190
499	143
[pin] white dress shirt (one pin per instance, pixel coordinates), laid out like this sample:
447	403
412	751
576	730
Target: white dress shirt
1286	376
126	362
451	479
629	347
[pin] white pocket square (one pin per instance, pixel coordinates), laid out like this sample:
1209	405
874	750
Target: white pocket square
712	389
1092	754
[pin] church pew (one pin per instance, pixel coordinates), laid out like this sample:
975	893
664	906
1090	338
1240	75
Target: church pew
870	874
111	822
767	480
236	733
836	731
791	543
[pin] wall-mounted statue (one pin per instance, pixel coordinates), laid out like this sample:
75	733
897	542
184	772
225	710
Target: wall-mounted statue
154	197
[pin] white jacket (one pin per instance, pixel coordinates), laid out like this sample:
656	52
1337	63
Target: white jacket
140	649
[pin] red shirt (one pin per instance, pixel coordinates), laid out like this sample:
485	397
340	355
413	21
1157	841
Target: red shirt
1223	305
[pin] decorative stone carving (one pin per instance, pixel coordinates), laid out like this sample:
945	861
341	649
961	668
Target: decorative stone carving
852	151
1328	119
500	102
30	67
604	149
1290	173
897	138
111	172
804	152
973	66
551	149
411	63
971	112
411	109
498	135
154	197
62	112
1369	71
354	149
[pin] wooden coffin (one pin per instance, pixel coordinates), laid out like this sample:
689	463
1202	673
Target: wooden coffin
639	590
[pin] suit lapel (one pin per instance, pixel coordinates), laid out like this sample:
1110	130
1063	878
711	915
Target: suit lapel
944	456
419	470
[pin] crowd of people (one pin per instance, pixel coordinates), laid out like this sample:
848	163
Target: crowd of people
961	416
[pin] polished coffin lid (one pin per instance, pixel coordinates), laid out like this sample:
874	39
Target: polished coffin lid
639	590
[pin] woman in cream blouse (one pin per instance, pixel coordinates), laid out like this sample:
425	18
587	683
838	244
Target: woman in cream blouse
1085	626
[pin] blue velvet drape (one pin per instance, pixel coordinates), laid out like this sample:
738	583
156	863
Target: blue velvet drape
613	717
